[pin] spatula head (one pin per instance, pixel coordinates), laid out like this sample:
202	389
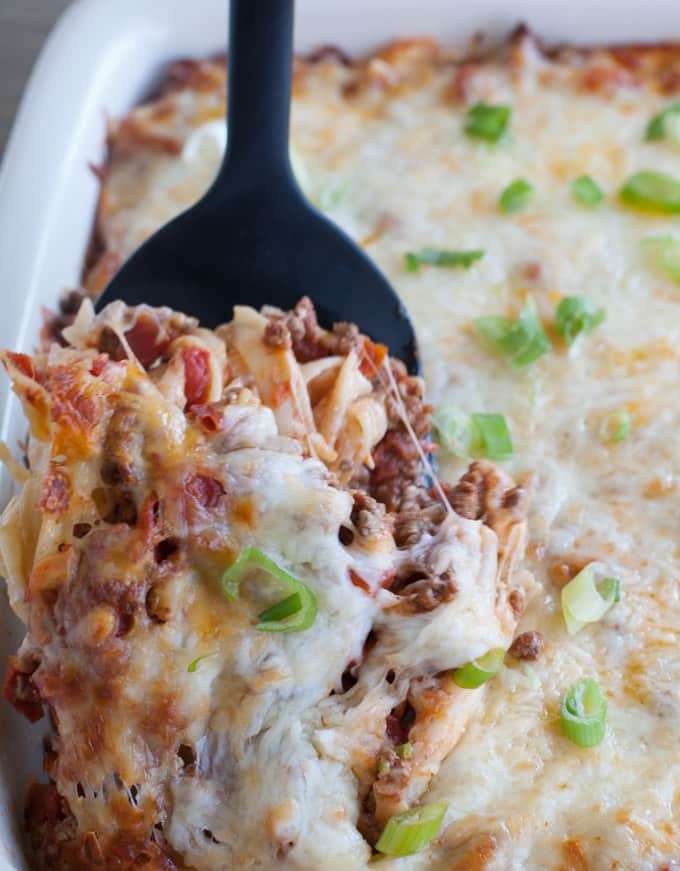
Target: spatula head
255	249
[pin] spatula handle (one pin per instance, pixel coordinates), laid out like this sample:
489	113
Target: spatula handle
259	83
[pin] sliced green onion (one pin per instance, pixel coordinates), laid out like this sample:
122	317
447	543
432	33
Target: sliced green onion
193	665
473	674
586	191
232	577
576	315
454	430
610	588
409	832
515	196
665	125
484	121
404	751
472	435
294	613
441	257
493	437
583	713
652	191
588	597
522	340
616	426
666	254
282	609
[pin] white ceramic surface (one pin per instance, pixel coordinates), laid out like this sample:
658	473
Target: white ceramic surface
102	56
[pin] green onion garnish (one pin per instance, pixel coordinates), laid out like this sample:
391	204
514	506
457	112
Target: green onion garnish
515	196
586	191
576	315
193	665
404	751
610	588
409	832
294	613
492	436
583	713
616	426
484	121
282	609
473	674
441	257
665	125
454	430
588	597
522	340
652	191
666	254
472	435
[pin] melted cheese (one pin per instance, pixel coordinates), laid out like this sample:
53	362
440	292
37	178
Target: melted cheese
143	659
394	168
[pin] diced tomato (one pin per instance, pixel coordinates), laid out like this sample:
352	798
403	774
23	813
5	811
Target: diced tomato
146	339
204	490
358	581
196	375
374	354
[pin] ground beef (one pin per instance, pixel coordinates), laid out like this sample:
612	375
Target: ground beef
122	454
397	463
344	338
309	341
423	591
110	344
368	516
482	494
277	334
305	333
468	496
411	392
528	645
411	523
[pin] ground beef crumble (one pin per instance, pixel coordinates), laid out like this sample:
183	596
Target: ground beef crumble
528	645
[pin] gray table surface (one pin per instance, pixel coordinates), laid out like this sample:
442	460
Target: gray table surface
24	24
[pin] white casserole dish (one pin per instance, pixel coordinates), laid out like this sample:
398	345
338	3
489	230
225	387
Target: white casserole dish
100	59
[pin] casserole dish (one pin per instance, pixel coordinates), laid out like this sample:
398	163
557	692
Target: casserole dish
41	250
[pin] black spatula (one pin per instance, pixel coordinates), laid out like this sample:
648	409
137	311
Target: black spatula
253	238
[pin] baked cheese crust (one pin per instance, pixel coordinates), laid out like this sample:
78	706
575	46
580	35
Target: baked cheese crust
185	736
380	147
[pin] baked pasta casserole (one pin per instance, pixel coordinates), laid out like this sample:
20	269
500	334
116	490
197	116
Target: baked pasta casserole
286	609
